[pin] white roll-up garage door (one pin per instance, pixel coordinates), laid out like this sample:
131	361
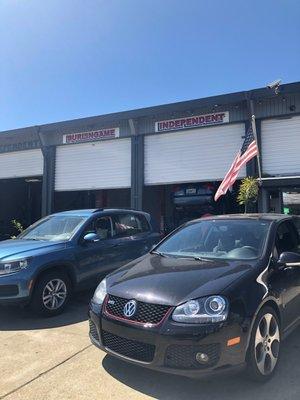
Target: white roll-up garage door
100	165
18	164
190	156
280	142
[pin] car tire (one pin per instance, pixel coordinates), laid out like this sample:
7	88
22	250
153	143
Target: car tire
51	294
264	348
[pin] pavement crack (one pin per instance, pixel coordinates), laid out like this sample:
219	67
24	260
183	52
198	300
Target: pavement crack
45	372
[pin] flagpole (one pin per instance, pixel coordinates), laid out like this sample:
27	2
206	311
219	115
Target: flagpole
253	124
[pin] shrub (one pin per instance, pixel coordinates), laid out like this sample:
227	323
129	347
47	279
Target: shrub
248	192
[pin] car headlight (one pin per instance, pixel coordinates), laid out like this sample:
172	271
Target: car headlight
100	293
8	267
202	311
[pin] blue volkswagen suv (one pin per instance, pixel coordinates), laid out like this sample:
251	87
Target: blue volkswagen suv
68	251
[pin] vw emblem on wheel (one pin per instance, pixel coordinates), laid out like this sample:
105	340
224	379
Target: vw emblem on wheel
130	308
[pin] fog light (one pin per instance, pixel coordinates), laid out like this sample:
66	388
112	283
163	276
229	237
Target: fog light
202	358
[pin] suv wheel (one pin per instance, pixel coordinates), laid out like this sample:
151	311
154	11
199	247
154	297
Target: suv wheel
264	348
51	294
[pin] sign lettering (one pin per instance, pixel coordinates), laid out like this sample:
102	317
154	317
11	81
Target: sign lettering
192	122
91	136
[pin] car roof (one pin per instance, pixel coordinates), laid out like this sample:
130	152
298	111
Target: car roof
96	211
260	216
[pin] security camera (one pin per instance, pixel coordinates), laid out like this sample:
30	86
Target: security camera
274	84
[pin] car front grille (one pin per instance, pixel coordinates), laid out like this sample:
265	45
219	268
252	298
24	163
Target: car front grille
146	313
129	348
9	290
93	331
184	356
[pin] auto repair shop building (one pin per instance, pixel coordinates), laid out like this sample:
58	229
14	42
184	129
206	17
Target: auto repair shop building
167	160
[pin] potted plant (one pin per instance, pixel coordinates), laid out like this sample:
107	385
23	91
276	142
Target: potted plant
248	192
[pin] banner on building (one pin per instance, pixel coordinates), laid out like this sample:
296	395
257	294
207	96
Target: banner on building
192	122
107	133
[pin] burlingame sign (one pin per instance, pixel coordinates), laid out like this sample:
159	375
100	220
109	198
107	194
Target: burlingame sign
91	135
192	122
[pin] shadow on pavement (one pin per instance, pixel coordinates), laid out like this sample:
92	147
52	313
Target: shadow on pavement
284	385
14	318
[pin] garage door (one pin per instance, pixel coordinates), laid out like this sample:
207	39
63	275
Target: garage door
100	165
192	156
280	141
20	164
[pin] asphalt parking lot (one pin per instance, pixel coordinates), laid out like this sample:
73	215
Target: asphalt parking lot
45	359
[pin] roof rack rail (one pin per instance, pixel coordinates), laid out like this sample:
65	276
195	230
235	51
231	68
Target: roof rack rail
118	208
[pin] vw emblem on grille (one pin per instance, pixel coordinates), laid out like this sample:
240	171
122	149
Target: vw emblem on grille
130	308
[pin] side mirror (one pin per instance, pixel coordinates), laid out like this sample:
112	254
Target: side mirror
91	238
290	259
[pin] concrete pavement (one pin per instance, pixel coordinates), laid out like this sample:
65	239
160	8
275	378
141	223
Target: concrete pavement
45	359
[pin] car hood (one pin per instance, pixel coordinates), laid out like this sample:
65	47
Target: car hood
172	281
16	248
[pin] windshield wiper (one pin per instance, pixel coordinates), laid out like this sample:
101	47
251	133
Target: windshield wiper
38	240
158	253
203	259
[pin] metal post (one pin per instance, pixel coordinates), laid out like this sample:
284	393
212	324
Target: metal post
253	124
48	180
137	167
258	153
48	174
264	201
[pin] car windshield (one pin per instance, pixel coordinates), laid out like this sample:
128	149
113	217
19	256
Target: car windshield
54	228
239	239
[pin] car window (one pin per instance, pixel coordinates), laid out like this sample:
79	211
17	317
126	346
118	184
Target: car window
54	228
102	226
296	221
296	224
130	224
287	238
144	223
227	239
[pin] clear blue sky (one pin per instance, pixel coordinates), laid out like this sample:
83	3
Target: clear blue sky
65	59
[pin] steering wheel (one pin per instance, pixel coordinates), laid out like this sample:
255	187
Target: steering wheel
242	252
250	248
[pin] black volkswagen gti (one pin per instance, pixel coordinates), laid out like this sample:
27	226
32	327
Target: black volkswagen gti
217	294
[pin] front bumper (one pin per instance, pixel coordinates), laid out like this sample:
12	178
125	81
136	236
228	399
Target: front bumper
15	288
171	347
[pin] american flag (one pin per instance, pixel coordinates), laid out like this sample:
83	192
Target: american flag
249	150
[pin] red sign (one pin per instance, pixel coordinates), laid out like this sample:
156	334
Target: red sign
91	136
192	122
